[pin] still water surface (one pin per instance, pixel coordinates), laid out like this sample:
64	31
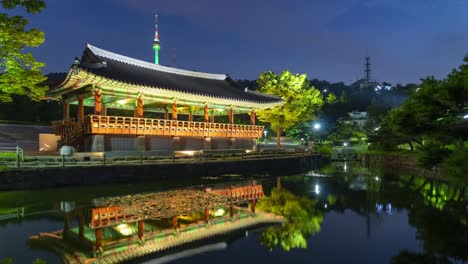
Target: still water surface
364	216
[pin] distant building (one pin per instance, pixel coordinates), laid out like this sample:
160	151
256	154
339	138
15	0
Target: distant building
357	118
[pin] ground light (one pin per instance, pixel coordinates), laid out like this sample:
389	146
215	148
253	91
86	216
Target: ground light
124	229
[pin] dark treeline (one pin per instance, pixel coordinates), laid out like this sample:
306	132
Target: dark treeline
349	98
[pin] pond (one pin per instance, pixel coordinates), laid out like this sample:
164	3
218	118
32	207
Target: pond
342	213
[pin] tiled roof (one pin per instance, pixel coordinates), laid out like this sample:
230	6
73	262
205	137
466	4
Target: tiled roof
132	71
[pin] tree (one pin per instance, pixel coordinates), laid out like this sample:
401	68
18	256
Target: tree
301	101
19	71
301	220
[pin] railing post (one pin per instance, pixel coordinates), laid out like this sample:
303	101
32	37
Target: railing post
63	160
104	158
18	163
141	159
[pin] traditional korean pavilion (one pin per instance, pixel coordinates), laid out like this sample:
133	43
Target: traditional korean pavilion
187	105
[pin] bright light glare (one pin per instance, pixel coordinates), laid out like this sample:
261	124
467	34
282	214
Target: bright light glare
377	128
317	126
265	132
122	102
377	178
219	212
124	229
345	144
317	189
465	116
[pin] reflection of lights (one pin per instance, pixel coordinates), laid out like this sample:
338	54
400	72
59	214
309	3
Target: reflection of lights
246	233
376	129
317	189
380	208
345	167
265	132
219	212
124	229
219	109
325	205
345	144
248	151
465	116
377	178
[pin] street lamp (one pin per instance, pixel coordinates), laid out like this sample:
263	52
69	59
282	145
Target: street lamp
265	134
317	127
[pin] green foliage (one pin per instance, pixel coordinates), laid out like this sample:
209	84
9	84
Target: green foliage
432	155
301	101
11	261
19	71
331	98
406	257
431	120
455	166
325	150
6	261
302	220
347	131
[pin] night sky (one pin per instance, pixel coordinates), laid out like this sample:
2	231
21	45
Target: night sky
327	39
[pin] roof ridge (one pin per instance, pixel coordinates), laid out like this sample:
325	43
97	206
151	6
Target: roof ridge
125	59
266	95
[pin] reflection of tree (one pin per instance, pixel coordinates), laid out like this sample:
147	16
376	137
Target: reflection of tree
406	257
302	220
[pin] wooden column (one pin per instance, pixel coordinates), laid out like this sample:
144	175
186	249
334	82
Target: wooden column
80	113
231	211
66	222
190	116
175	223
104	111
141	229
206	114
166	114
174	111
252	205
252	118
98	234
139	107
212	116
278	183
81	226
207	215
66	110
97	102
231	116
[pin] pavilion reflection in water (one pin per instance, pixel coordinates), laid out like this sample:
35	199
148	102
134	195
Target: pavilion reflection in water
122	228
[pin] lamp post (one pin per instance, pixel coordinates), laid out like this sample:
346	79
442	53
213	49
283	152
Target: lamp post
265	134
317	127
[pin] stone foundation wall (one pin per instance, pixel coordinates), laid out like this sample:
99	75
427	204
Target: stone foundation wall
100	143
39	178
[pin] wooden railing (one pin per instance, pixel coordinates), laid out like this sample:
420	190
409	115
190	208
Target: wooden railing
118	125
245	192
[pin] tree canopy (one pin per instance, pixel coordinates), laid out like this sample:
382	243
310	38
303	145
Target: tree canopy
19	72
301	101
